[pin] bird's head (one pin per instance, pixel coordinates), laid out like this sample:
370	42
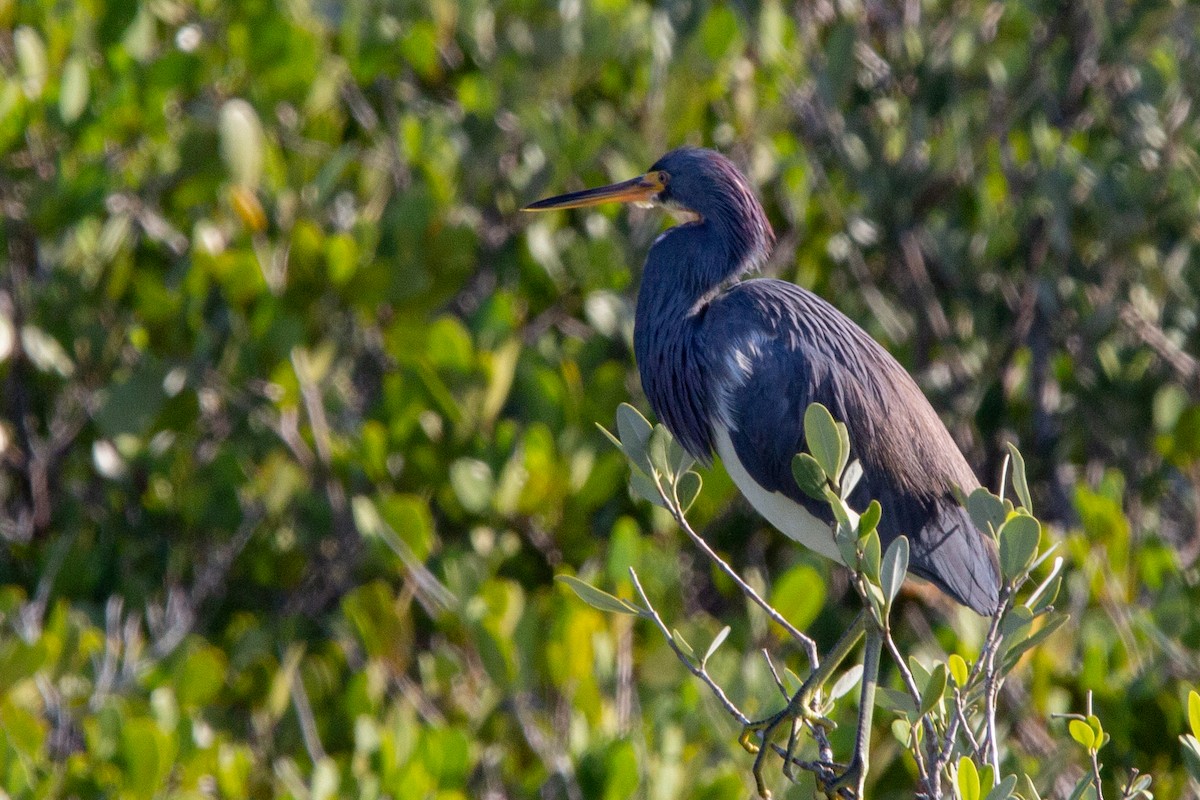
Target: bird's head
701	182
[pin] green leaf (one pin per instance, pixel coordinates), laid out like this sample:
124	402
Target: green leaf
1098	730
680	460
968	779
717	641
1019	538
687	489
850	477
987	511
74	89
869	520
682	644
809	476
847	682
799	595
644	487
473	484
897	702
634	430
1193	706
1191	755
1020	482
598	598
1003	790
870	556
1028	790
823	439
31	60
1083	733
894	568
958	670
934	689
242	142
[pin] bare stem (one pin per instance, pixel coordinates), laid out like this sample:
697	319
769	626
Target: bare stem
810	647
698	670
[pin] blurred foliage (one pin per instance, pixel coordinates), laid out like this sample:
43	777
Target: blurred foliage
297	412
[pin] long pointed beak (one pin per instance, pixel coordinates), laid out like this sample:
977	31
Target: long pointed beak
642	188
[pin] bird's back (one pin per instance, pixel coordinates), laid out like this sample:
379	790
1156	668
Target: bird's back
773	348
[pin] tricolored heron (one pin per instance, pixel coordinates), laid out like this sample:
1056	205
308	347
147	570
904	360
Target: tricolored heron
730	366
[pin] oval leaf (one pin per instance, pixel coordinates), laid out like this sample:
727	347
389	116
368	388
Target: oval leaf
823	440
894	568
968	779
847	682
73	89
809	476
634	430
242	142
987	511
1004	789
642	486
1194	712
687	489
932	695
1019	538
1082	733
597	598
1020	483
958	670
870	556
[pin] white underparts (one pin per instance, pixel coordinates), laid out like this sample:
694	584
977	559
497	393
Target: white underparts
781	511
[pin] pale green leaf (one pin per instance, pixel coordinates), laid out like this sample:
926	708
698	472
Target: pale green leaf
598	598
823	440
893	568
1020	482
1019	538
717	641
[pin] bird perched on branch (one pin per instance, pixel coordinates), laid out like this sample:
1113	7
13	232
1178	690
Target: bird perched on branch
731	365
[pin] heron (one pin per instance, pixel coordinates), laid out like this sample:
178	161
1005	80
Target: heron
730	364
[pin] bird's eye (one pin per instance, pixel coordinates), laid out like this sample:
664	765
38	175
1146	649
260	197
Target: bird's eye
663	177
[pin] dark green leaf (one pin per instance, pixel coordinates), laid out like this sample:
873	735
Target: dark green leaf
809	476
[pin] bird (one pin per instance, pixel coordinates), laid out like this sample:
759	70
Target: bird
729	363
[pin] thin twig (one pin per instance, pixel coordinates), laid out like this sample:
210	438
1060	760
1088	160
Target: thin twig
810	647
698	670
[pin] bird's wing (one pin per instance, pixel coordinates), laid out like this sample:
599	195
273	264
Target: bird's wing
773	349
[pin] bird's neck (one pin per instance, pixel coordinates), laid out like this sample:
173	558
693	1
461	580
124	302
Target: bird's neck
685	269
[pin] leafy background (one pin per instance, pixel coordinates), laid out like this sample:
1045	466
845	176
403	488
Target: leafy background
297	417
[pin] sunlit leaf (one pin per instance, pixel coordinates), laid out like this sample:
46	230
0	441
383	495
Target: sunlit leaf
968	780
1083	733
823	440
893	568
717	641
1019	538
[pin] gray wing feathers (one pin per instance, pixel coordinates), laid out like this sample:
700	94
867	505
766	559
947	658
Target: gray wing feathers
775	349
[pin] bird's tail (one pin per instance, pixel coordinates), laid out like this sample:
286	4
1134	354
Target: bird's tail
953	554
